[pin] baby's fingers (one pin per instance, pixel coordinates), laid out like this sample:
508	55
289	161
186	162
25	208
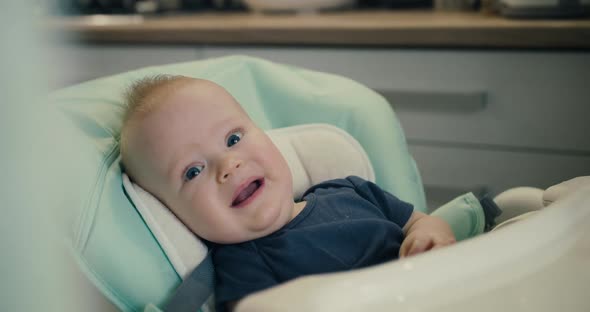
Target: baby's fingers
403	250
420	245
441	242
416	246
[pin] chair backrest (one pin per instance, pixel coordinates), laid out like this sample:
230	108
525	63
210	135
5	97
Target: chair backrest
112	243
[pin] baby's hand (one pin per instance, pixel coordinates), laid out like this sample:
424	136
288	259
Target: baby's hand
423	233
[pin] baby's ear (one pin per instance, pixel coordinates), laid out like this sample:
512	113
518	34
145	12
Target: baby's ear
563	189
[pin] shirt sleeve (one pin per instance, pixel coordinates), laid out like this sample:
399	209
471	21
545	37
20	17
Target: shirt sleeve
239	271
393	208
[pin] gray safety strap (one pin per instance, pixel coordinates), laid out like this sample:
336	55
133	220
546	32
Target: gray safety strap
195	289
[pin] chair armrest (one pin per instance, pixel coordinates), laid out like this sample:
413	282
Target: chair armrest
518	201
563	189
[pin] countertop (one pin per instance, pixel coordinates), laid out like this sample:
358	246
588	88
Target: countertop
343	28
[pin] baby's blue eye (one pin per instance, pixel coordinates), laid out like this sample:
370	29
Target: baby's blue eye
234	138
193	172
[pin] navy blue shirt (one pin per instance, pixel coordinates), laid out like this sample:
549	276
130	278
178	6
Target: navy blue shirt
346	224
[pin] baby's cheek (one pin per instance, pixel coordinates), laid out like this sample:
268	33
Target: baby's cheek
207	204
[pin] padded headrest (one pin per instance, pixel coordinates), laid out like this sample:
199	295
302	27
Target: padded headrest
314	153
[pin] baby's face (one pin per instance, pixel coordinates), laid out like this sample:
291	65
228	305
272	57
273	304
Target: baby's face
200	154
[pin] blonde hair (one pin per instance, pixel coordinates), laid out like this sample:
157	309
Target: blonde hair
140	99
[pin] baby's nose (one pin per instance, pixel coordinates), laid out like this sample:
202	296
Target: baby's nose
227	168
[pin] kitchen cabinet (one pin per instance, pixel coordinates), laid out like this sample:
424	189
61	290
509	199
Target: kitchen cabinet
77	63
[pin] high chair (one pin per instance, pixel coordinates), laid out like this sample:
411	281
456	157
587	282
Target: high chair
126	251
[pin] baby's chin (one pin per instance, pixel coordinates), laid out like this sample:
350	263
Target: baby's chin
262	222
241	236
230	240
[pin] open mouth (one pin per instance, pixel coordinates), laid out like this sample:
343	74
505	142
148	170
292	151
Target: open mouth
247	193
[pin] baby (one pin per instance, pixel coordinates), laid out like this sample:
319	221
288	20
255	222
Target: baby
189	143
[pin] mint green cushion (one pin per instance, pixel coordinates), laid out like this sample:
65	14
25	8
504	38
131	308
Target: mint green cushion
109	238
464	214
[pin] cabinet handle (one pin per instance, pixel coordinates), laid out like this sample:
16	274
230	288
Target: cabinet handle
435	100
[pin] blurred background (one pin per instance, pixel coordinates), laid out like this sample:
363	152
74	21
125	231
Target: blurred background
491	94
507	7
